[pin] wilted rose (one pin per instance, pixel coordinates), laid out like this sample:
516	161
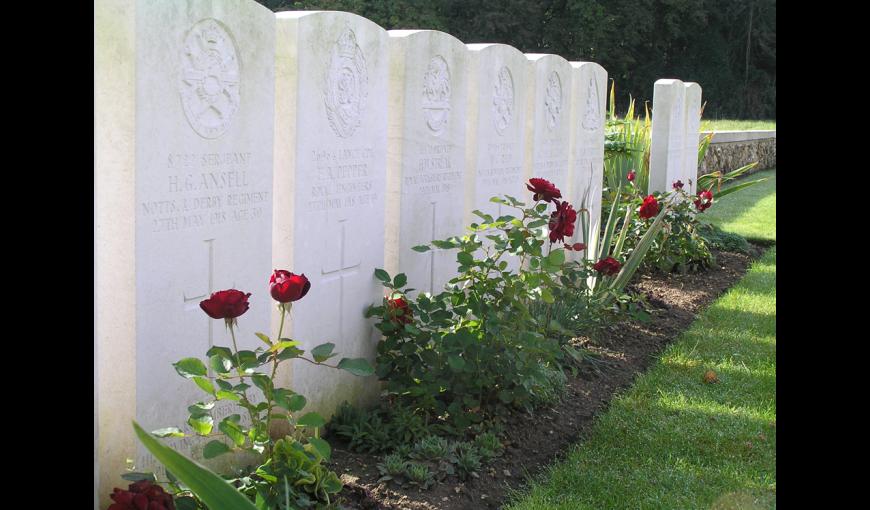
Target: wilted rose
678	184
704	201
141	495
543	189
649	208
607	266
562	222
575	247
226	304
286	286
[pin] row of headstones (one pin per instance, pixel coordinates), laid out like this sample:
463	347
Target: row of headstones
230	141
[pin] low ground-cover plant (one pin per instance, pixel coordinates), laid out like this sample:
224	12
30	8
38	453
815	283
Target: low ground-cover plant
292	468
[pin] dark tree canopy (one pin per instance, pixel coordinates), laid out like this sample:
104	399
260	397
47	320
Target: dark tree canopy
728	46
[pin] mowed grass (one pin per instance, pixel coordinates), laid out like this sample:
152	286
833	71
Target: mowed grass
736	125
674	442
750	212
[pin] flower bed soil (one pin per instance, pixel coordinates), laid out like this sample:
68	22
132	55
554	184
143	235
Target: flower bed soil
534	441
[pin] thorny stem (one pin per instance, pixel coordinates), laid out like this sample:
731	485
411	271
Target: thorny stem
254	421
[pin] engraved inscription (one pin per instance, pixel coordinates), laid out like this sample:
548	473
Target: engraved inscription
502	169
205	190
592	114
553	100
436	95
209	78
503	100
343	179
434	172
346	86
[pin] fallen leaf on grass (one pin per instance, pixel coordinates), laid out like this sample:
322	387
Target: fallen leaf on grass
710	377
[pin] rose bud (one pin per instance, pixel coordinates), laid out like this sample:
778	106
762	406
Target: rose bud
678	184
286	286
631	175
575	247
704	201
607	266
400	312
649	208
543	190
226	304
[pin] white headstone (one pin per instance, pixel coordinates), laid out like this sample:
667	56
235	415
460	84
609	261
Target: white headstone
183	147
495	157
549	122
667	150
588	107
330	163
426	156
692	136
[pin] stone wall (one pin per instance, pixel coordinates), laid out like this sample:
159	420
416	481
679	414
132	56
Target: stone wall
730	150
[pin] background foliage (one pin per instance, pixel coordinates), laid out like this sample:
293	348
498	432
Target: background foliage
728	46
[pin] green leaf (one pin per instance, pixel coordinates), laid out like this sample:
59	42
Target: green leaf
204	384
263	382
190	367
230	426
382	275
223	352
464	258
400	280
185	503
202	424
322	447
136	477
284	343
421	248
168	432
506	396
547	296
323	352
265	338
455	362
311	420
290	353
296	403
213	490
556	258
214	448
220	364
356	366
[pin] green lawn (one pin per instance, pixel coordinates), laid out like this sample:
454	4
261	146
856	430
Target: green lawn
750	212
736	125
674	442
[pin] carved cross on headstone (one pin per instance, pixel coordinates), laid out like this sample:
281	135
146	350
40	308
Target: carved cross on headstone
345	269
192	302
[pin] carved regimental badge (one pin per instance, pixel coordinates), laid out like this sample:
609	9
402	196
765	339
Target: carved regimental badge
553	100
209	78
592	115
503	100
346	85
436	95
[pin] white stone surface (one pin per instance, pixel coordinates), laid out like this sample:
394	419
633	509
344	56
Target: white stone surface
588	100
426	154
330	164
738	136
668	134
693	128
549	124
183	143
498	88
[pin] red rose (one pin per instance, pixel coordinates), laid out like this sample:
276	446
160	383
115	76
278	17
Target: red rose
286	286
543	190
678	184
704	201
649	208
631	175
562	222
226	304
575	247
400	312
141	495
607	266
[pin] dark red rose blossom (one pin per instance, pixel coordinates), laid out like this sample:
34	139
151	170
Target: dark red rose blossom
141	495
704	201
400	312
226	304
631	175
562	222
607	266
649	208
286	286
543	190
678	184
575	247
